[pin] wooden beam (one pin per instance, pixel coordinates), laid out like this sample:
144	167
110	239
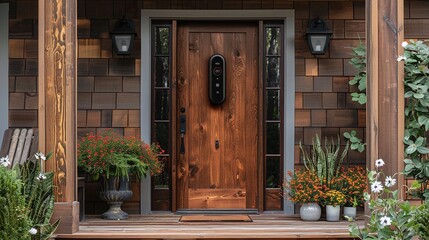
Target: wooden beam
175	113
385	88
57	98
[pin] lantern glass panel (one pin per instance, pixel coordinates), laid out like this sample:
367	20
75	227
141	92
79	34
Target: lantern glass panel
123	42
318	43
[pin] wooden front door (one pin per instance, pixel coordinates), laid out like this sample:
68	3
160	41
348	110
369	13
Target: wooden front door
217	154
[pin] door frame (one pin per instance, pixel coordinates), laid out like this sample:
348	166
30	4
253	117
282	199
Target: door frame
287	15
4	66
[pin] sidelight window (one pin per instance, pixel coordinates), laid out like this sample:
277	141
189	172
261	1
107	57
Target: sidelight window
273	87
161	113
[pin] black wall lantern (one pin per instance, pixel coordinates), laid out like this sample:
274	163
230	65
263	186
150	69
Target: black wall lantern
318	36
123	36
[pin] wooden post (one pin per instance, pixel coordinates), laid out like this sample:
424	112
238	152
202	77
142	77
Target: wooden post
57	104
385	88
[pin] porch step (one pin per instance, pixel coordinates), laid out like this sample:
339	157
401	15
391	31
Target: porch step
264	226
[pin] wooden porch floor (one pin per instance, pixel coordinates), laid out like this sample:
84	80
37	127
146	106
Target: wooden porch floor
167	226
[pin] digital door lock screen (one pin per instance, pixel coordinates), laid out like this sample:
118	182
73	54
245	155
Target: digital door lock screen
217	75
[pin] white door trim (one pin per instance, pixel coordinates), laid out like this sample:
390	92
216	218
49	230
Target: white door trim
288	16
4	67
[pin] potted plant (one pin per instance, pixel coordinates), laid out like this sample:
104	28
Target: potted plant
303	187
333	200
352	183
354	186
114	159
324	160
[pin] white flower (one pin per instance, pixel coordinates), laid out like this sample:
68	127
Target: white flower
40	155
400	58
390	182
41	177
32	231
376	187
4	161
385	221
379	162
404	44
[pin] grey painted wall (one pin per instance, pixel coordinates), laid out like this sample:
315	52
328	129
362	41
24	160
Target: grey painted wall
4	67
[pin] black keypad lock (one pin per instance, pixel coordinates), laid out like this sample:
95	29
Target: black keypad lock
217	85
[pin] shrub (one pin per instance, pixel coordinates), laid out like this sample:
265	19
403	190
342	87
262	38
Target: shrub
14	220
420	221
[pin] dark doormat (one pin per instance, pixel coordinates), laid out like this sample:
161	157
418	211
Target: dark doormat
215	218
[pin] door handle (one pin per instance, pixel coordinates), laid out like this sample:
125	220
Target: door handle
182	124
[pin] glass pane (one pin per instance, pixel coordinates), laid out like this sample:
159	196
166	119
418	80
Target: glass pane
162	181
272	72
162	135
162	39
318	42
273	105
273	172
123	42
162	105
273	138
161	71
273	41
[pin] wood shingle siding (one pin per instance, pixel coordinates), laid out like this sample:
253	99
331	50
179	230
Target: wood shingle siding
109	85
22	118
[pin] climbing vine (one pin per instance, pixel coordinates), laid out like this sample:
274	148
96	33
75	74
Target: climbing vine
359	62
416	88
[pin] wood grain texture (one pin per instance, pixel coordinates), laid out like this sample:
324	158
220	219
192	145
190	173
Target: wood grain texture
167	226
174	153
7	135
261	123
207	172
19	144
68	213
20	147
57	88
385	23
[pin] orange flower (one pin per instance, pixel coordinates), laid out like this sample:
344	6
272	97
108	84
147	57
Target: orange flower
302	187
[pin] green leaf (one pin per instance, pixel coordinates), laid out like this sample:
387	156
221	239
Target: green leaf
423	150
347	135
354	230
408	168
408	161
419	141
411	149
408	94
426	194
418	95
416	185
